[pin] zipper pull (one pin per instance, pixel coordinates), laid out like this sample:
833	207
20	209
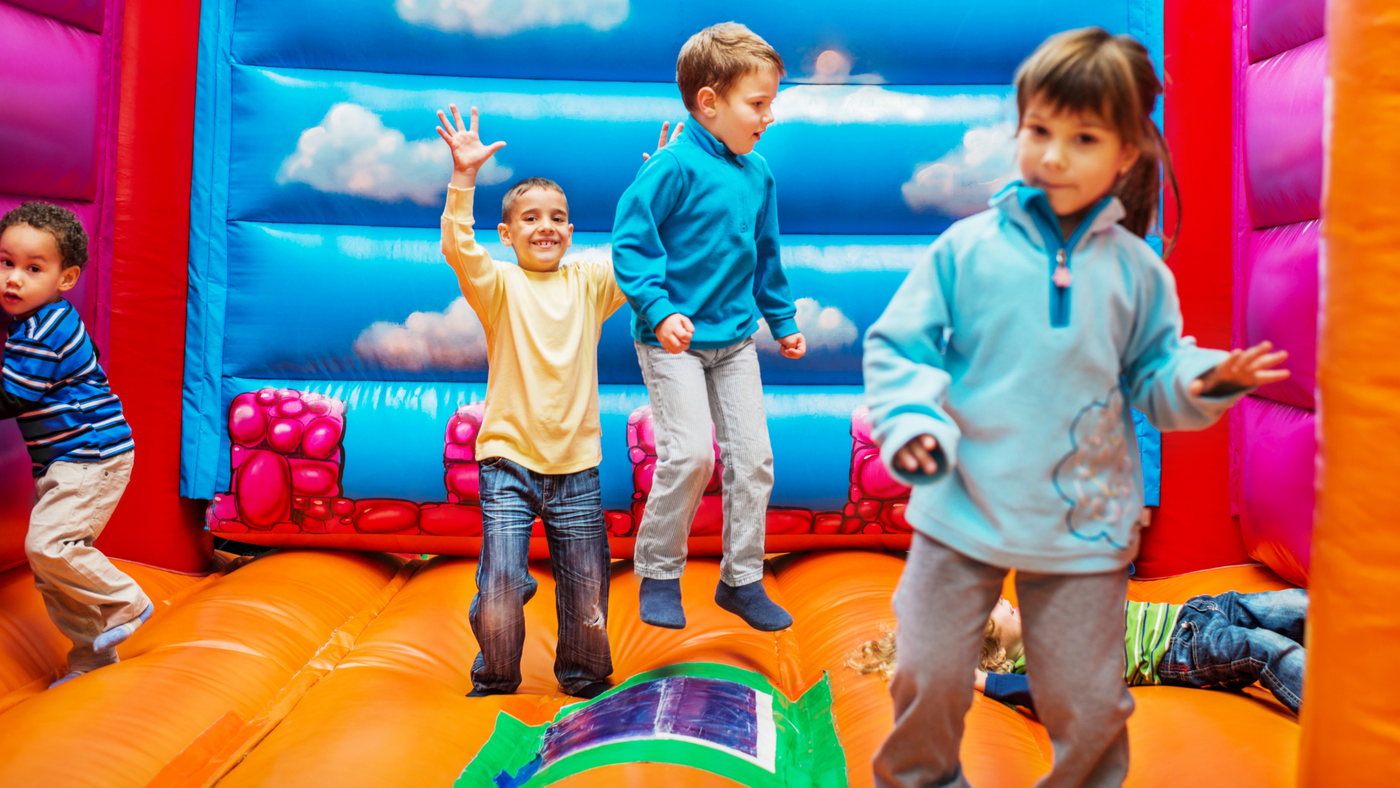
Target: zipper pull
1062	277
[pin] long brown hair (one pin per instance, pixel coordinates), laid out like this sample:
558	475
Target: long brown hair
1091	71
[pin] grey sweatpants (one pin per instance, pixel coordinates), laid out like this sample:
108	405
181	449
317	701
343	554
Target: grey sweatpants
688	390
84	593
1072	627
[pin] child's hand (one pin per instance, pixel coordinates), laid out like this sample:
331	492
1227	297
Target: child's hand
663	142
1244	369
675	332
917	455
794	345
468	154
979	679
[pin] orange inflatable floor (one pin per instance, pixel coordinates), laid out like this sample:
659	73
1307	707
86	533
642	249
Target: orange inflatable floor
339	669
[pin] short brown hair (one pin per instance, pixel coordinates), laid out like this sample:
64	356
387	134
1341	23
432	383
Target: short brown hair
68	233
513	194
721	55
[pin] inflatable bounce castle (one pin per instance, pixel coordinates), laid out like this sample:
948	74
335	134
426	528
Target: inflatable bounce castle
262	185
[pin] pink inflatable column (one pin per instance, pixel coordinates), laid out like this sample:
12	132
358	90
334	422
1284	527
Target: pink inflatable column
1281	62
59	65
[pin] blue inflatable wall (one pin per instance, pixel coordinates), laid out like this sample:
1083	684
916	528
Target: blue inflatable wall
319	180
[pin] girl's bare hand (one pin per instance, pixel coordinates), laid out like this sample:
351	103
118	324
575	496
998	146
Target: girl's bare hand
1244	369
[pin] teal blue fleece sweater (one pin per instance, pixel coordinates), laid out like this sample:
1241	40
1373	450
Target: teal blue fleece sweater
1027	385
697	233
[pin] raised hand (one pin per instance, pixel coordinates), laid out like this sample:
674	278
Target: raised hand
1244	369
663	142
469	155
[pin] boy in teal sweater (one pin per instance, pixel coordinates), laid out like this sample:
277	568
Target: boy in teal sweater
695	250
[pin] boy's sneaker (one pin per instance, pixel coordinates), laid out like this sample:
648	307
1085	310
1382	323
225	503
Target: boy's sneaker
751	603
593	690
119	633
103	659
661	603
484	692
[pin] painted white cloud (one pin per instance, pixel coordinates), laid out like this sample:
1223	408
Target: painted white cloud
962	180
451	339
652	102
825	328
584	253
353	152
844	258
833	67
498	18
834	104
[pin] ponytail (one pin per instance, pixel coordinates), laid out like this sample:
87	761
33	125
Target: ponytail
1140	189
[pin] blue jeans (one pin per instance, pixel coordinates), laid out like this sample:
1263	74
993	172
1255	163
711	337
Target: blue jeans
1233	640
571	506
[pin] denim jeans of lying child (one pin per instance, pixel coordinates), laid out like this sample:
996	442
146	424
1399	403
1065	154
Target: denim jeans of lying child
571	507
1232	640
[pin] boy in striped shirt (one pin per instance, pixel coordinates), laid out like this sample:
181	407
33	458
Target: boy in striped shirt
72	424
1226	641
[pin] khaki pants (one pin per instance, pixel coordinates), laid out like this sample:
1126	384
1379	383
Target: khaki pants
84	593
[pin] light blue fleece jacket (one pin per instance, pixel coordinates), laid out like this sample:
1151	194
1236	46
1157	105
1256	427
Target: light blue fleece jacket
1027	385
697	233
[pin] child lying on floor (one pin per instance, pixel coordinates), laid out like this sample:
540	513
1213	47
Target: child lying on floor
1224	642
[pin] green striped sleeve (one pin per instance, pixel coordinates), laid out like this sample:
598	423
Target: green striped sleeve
1148	629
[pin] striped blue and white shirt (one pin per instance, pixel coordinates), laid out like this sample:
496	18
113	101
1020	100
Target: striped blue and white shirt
66	409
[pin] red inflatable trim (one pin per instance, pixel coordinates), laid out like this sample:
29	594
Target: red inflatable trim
150	258
1194	530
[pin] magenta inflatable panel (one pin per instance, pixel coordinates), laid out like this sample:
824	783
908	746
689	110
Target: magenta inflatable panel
1280	305
1279	25
86	14
1283	135
51	92
1276	476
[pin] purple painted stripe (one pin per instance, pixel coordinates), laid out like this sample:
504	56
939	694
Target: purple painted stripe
1283	135
1277	466
86	14
1280	305
1279	25
51	92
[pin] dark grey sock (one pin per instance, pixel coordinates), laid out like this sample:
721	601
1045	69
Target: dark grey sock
751	603
661	603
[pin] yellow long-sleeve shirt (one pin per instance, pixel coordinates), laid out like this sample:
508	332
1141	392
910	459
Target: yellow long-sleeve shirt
542	334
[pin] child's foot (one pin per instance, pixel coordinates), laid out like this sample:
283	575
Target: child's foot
751	603
67	677
119	633
102	660
483	692
661	603
591	691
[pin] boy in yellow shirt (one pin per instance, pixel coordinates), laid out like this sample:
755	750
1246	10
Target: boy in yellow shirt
540	442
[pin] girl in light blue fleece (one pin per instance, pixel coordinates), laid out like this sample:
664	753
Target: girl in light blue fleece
999	381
